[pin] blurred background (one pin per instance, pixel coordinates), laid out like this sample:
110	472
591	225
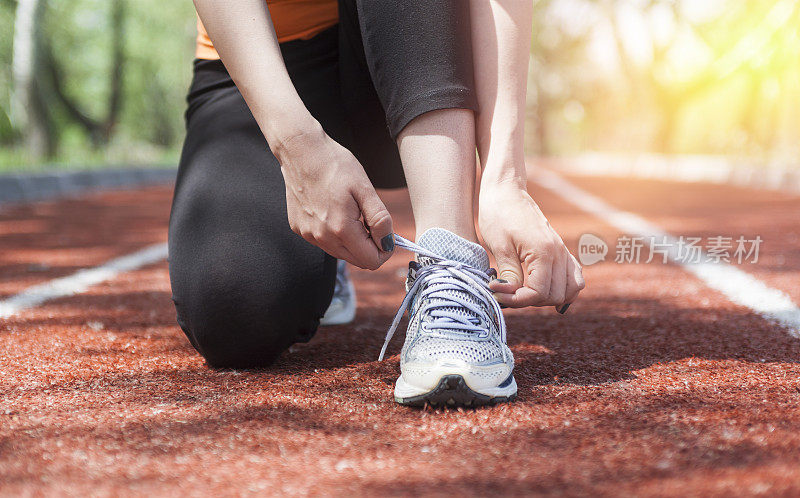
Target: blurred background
91	83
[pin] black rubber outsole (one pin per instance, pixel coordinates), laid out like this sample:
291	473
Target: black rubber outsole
453	391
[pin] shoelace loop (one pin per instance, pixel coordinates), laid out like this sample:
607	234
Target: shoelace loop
451	275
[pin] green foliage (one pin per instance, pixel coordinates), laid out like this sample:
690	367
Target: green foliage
676	76
669	76
158	51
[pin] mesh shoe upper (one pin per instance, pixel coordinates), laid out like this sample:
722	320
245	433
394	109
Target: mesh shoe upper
453	315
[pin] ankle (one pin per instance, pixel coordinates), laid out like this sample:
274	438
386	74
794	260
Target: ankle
463	230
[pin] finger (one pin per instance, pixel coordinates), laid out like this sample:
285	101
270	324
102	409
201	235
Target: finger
376	218
575	281
503	286
346	255
330	249
539	278
563	308
524	296
558	285
536	291
359	243
509	274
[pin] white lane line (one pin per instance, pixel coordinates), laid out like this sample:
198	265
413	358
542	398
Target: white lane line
80	281
738	286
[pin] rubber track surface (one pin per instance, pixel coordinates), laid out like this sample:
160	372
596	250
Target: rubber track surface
650	385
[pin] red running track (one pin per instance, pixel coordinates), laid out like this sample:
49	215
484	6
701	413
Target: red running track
650	385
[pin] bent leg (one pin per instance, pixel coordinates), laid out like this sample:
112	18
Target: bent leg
438	153
244	285
419	56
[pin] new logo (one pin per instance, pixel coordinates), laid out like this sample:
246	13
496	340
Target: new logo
591	249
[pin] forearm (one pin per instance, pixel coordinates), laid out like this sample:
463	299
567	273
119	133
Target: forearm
501	33
244	37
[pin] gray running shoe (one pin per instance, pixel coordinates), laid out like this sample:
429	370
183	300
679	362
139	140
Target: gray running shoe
455	351
342	309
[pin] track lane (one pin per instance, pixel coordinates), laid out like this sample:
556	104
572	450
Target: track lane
651	384
704	210
45	240
710	266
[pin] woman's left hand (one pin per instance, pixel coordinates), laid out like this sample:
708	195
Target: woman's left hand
531	257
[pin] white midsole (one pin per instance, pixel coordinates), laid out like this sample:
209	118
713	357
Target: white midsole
403	389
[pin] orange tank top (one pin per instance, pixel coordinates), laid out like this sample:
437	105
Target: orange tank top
293	20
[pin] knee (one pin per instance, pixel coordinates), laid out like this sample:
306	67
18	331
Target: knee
235	324
227	341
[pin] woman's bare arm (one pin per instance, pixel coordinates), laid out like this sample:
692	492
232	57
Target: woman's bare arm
530	255
329	198
244	37
501	34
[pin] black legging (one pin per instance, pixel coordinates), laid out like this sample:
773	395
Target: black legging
245	286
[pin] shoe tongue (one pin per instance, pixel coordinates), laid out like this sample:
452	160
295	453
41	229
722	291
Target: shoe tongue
450	246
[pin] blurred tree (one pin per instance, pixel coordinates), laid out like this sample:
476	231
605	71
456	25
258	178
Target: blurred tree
28	111
99	130
104	81
735	42
555	79
671	76
93	80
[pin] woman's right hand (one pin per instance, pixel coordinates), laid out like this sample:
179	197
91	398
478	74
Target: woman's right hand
331	202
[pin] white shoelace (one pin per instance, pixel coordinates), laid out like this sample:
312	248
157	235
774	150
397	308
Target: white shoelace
443	275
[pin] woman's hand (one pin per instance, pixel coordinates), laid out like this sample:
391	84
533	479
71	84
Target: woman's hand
531	257
331	202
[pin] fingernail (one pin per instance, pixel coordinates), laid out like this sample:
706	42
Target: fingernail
387	243
501	280
563	308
